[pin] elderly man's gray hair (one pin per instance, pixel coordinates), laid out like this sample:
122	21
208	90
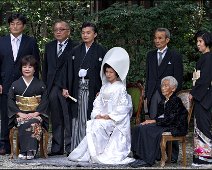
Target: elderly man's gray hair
167	32
172	81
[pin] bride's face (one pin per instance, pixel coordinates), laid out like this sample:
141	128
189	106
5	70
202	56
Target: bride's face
111	75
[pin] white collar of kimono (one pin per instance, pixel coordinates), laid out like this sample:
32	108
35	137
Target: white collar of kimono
87	48
27	84
118	59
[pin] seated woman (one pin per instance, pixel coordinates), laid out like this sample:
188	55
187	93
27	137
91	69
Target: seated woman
172	116
107	139
27	105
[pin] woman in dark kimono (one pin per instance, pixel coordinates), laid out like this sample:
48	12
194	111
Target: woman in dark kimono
172	116
27	105
202	96
82	80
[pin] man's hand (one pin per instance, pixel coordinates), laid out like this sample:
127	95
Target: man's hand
65	93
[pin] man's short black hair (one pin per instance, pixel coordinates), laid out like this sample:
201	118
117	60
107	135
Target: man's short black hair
18	16
89	24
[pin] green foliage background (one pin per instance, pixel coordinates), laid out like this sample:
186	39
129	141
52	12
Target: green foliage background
130	27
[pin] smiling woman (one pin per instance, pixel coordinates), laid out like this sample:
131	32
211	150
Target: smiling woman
27	105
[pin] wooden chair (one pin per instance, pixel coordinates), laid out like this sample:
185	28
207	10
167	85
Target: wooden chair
167	137
136	91
43	143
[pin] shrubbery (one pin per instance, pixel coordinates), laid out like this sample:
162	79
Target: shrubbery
130	27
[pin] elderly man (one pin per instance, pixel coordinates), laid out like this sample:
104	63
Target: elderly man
56	54
171	116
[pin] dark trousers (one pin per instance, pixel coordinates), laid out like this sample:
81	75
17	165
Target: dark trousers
153	106
4	124
60	120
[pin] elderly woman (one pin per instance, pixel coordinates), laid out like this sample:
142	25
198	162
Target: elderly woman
171	116
27	105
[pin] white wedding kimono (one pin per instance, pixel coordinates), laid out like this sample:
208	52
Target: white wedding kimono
107	141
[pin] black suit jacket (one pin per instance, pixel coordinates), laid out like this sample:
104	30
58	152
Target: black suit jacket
171	65
52	65
10	69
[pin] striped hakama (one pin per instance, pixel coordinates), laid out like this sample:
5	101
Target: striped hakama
79	122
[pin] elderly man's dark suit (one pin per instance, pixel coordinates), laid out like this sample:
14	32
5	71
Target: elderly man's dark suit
10	71
60	120
171	65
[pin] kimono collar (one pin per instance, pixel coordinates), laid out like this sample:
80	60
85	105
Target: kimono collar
165	100
27	84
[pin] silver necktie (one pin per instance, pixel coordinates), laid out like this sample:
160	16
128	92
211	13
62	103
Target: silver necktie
60	50
160	58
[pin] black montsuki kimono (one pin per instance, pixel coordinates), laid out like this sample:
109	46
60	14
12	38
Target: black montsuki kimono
202	95
85	93
29	130
91	61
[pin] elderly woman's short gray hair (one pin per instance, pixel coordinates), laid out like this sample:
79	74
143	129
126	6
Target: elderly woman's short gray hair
172	81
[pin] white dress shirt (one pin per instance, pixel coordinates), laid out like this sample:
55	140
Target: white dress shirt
163	51
15	42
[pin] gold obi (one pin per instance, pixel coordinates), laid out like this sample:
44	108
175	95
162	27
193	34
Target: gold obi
28	103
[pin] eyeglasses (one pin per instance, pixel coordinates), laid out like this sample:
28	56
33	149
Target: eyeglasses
60	30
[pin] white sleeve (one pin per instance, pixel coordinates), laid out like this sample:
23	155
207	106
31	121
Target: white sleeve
97	106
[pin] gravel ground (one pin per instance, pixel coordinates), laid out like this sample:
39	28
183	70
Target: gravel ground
52	162
61	162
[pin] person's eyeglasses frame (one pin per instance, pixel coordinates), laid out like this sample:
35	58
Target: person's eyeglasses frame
60	30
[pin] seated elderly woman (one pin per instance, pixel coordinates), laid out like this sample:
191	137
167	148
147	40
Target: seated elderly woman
171	116
27	105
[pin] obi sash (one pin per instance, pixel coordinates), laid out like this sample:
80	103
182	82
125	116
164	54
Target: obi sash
28	103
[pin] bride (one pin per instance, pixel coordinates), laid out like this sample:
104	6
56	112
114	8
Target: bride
108	139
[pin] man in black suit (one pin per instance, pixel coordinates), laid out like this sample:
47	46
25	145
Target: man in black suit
13	48
160	63
56	54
